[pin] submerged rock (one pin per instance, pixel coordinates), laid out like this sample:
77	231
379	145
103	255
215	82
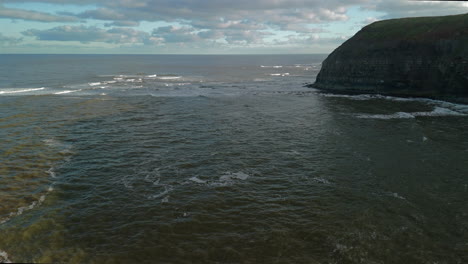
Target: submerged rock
421	57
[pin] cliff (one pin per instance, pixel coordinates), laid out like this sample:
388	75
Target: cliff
422	57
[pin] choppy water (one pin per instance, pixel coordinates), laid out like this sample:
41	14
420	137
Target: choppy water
222	159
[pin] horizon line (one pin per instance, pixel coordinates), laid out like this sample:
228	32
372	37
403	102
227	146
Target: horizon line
172	54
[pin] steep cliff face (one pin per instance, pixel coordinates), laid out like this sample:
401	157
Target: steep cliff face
425	56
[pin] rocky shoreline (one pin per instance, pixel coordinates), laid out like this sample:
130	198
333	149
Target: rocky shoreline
409	57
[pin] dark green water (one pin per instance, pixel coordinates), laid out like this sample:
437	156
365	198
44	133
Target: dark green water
225	159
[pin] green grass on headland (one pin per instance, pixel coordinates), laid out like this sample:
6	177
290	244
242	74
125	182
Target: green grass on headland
416	28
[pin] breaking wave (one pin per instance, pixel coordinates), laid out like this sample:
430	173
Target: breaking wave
226	179
4	257
24	90
64	151
280	74
438	111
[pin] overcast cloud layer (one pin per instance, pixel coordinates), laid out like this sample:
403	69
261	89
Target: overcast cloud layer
200	26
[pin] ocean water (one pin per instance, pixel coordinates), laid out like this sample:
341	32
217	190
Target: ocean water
222	159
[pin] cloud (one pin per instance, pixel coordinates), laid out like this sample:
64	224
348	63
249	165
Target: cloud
201	23
315	39
370	20
123	23
245	37
103	14
224	13
14	13
406	8
219	14
211	34
9	41
174	34
93	34
221	23
159	36
234	22
303	28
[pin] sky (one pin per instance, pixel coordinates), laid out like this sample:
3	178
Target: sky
197	26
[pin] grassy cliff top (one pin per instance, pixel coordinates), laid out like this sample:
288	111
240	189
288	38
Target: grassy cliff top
418	28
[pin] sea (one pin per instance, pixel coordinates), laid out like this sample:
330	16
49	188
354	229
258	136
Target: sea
222	159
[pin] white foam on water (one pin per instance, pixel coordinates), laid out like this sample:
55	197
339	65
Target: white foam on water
127	183
398	115
280	74
51	142
274	66
4	257
226	179
361	97
320	180
229	176
396	195
51	172
167	189
169	77
341	248
94	83
176	84
391	194
438	111
20	210
441	108
64	148
67	91
21	90
152	76
153	178
291	152
118	76
460	108
197	180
